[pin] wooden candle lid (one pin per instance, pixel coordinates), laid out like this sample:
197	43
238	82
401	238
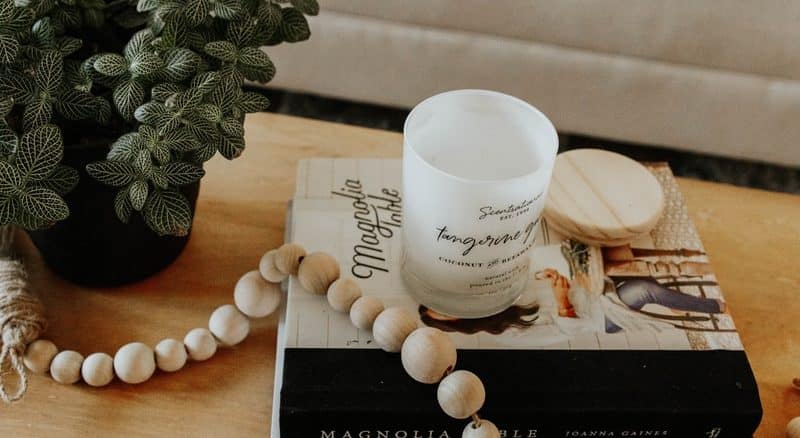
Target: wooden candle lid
602	198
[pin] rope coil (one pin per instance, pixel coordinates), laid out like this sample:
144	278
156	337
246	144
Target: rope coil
21	317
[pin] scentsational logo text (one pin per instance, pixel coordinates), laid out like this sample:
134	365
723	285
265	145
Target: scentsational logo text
377	217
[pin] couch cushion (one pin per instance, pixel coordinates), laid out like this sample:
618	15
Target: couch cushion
759	37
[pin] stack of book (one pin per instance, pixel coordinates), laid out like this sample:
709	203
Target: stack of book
637	342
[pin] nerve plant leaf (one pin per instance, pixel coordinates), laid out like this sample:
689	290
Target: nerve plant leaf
9	46
113	173
179	173
62	180
44	204
111	64
294	26
168	212
137	192
40	151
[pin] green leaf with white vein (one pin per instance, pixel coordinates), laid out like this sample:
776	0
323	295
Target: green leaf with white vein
294	27
222	50
44	204
113	173
147	5
253	102
122	206
76	105
50	71
6	11
128	96
40	151
179	173
161	92
196	11
181	64
62	180
226	9
11	180
9	46
111	64
180	140
145	63
143	162
37	113
17	86
230	147
254	57
67	45
9	210
139	42
308	7
8	142
168	212
137	193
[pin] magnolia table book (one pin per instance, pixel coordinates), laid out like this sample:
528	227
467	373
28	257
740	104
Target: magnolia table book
634	341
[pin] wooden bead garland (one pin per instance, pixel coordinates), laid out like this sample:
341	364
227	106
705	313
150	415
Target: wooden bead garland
428	354
38	355
364	311
256	297
98	369
288	257
228	325
343	293
317	271
268	270
66	367
170	355
461	394
392	327
793	428
481	429
134	363
200	344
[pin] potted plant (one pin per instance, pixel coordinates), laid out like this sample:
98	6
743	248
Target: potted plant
108	110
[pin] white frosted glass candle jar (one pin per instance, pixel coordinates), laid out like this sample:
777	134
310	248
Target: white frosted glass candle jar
476	167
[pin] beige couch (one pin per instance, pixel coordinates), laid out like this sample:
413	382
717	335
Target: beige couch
714	76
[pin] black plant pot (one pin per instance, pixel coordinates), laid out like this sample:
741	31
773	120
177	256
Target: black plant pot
92	247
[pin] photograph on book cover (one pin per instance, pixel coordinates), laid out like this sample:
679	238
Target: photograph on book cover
658	293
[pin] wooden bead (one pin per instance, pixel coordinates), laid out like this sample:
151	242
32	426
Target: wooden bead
268	269
256	297
428	354
228	325
461	394
200	344
134	363
170	355
287	258
66	367
392	327
364	311
98	369
485	429
793	428
38	355
343	293
317	271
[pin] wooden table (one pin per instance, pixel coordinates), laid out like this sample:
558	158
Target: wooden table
753	238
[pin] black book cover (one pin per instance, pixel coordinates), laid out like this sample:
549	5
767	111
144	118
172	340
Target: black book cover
647	350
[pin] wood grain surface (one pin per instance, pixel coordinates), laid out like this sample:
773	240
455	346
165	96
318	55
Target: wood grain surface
753	238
